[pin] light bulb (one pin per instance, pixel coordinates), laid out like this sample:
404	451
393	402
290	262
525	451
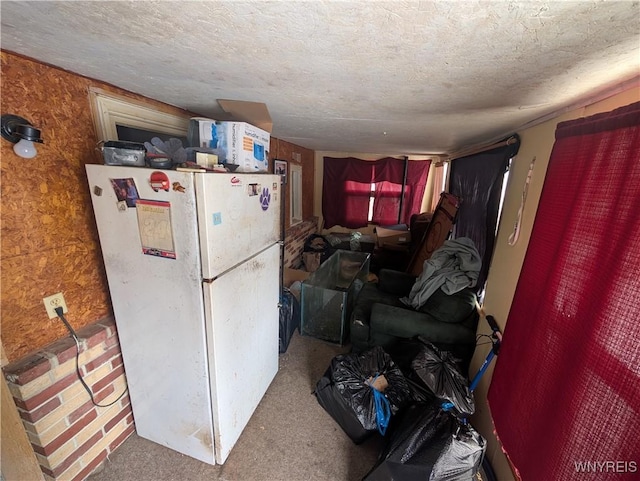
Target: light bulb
25	149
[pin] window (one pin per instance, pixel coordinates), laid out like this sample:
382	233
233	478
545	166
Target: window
385	212
295	193
503	193
385	191
440	180
371	198
121	118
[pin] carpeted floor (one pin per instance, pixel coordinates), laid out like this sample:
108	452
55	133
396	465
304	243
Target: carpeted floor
289	438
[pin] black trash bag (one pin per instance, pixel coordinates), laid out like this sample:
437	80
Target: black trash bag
289	319
439	371
318	243
462	457
346	393
427	443
403	352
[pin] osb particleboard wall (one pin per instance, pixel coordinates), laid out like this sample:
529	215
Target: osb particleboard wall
49	240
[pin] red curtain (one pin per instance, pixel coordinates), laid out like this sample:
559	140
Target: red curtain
389	189
565	394
355	202
346	190
387	203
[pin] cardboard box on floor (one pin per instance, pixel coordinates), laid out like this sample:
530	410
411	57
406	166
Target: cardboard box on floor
293	275
290	276
392	238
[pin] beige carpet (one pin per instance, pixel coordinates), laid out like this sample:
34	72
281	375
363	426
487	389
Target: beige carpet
290	437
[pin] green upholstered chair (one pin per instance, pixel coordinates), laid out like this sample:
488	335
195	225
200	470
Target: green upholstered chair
379	317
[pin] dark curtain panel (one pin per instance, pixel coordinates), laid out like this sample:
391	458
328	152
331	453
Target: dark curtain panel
565	394
346	190
477	181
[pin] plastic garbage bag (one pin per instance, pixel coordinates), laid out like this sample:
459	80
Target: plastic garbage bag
289	319
354	241
334	240
439	371
403	354
316	250
427	443
462	457
346	391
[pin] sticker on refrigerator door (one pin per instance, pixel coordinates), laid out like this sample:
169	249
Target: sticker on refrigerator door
126	191
253	189
265	198
217	218
235	181
159	181
156	232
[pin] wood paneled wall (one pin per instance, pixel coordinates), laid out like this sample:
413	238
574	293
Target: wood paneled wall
283	150
49	239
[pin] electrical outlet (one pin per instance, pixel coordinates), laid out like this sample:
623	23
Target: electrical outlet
51	302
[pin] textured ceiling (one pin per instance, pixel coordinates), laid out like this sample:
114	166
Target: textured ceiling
361	76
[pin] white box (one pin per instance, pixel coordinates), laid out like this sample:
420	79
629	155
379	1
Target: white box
237	143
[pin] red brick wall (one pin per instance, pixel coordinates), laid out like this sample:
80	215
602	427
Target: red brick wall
69	434
294	241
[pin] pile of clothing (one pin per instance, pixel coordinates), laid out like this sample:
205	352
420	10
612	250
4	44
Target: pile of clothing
453	267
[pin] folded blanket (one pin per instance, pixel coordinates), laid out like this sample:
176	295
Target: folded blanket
452	267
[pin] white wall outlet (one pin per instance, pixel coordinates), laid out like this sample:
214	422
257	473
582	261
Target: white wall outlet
51	302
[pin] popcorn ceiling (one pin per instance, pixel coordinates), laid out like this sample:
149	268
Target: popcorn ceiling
435	76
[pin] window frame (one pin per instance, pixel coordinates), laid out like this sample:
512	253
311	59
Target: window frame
295	194
110	110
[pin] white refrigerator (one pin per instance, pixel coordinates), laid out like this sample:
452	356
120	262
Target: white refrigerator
192	262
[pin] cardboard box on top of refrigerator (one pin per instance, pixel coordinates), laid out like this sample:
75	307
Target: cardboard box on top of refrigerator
236	143
242	139
254	113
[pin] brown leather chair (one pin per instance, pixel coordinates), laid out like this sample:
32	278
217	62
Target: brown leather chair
436	232
428	233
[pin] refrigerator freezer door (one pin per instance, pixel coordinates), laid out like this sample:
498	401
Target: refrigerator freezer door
242	332
239	215
159	311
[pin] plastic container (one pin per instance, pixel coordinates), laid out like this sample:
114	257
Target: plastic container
123	153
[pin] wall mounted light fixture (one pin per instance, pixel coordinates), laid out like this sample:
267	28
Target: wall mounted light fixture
20	131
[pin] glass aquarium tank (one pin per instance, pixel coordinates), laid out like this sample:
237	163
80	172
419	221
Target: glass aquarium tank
328	295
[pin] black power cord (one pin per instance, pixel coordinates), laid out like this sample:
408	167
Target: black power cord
59	311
